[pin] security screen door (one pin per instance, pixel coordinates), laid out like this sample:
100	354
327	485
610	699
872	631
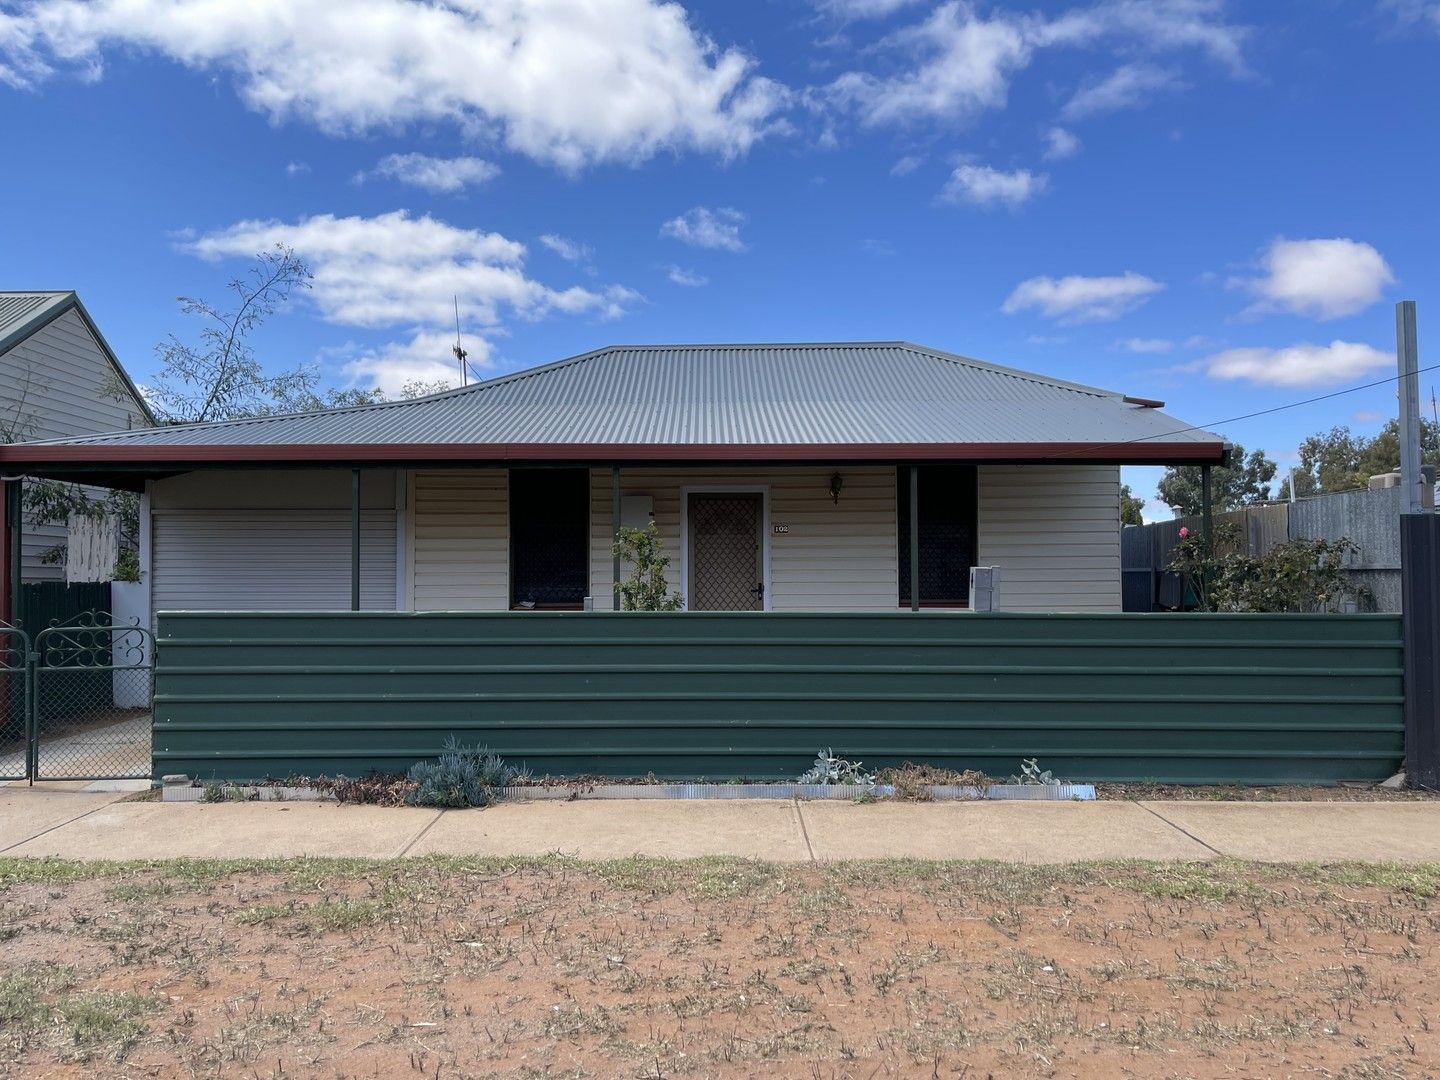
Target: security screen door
726	570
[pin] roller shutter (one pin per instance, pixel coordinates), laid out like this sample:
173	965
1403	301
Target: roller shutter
269	561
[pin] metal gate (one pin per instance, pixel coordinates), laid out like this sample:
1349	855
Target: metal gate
14	703
80	705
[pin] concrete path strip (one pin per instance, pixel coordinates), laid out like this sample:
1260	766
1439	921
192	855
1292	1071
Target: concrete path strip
1033	832
27	812
767	829
231	831
1406	832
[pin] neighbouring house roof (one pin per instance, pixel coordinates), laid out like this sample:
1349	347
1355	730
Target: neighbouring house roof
24	314
882	401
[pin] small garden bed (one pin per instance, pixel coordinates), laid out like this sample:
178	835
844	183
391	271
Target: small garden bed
473	777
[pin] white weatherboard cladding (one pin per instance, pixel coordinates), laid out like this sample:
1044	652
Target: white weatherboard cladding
56	383
460	540
280	539
1054	531
836	556
270	540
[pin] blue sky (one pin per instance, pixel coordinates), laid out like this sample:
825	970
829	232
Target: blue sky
1212	203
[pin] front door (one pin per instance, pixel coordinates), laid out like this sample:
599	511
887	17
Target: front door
726	568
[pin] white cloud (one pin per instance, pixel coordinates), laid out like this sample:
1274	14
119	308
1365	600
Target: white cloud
569	250
689	278
1408	13
706	228
981	185
849	10
1127	87
1150	346
906	165
1324	278
1078	299
398	270
957	63
966	67
1154	26
1060	144
562	82
296	168
1367	416
1299	365
443	175
425	358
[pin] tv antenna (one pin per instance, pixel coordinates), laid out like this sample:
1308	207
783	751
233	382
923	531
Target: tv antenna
460	353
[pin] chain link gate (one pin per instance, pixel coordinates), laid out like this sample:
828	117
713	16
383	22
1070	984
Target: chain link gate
14	703
91	694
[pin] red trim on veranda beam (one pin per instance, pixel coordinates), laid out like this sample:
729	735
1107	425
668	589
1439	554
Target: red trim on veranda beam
337	453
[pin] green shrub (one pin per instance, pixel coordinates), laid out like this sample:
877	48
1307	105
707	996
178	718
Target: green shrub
829	769
646	588
461	776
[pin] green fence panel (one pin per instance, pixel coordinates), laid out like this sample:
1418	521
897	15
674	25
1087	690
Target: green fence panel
719	695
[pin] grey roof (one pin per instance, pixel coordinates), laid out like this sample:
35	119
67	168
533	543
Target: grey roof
25	313
21	313
693	395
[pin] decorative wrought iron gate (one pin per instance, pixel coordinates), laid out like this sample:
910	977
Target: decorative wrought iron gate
14	703
76	701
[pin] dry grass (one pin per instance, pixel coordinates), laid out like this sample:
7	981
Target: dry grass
646	968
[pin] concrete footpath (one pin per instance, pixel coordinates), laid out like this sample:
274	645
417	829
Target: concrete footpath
66	821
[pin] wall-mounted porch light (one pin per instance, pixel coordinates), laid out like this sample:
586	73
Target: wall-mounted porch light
836	483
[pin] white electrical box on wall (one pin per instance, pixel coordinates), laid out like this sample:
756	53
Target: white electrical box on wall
984	588
636	511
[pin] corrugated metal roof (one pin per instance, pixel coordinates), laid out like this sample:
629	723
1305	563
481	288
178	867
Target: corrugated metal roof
791	394
20	310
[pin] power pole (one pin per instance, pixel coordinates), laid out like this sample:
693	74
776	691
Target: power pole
1407	360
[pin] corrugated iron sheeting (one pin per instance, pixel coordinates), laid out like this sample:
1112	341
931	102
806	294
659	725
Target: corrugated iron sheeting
712	695
840	394
19	308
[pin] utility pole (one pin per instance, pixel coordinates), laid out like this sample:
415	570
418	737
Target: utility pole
1407	360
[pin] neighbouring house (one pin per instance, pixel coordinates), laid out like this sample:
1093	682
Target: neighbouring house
58	379
782	477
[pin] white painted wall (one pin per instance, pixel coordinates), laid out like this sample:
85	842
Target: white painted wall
459	540
281	538
1055	533
57	379
835	556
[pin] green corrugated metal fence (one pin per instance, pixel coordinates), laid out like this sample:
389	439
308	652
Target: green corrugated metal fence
1183	698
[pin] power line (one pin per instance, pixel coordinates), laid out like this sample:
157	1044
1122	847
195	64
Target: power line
1246	416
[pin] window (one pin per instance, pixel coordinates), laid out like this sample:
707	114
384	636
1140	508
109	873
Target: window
947	533
549	537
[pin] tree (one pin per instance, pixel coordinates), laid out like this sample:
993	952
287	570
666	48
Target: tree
219	377
1339	460
1248	481
1131	507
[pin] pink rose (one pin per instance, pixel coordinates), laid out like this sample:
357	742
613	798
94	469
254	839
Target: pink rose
1184	532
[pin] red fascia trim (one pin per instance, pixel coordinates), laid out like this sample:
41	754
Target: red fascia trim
1202	452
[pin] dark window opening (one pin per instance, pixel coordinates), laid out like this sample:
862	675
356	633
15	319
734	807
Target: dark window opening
549	537
947	533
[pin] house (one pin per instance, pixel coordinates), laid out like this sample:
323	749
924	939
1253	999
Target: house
58	379
782	477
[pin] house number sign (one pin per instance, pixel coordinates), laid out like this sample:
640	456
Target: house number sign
781	530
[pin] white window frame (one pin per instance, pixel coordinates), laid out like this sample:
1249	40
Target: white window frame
763	490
